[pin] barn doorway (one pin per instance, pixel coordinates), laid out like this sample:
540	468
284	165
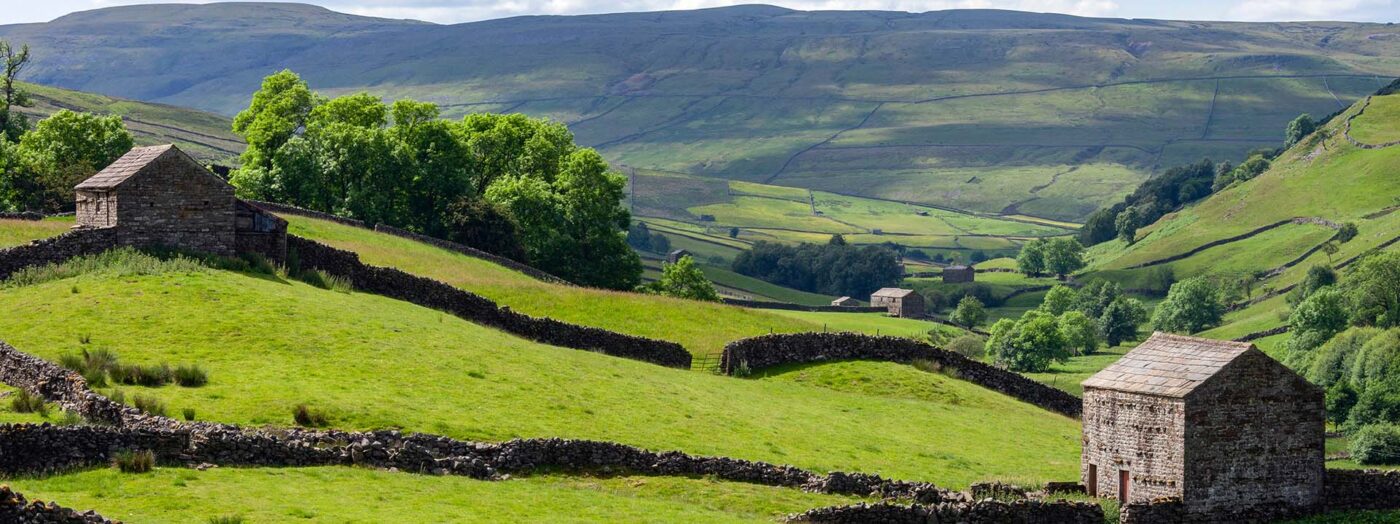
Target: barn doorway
1123	486
1092	487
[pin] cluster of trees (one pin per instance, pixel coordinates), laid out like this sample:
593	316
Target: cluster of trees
40	166
682	279
1192	305
1345	337
509	184
1059	256
1068	322
834	268
640	237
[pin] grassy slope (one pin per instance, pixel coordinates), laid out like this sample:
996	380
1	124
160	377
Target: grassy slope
16	232
170	495
372	362
1377	125
206	136
1323	176
652	316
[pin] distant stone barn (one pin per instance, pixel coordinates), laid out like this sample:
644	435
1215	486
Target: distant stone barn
1220	425
158	196
899	302
676	255
959	274
845	302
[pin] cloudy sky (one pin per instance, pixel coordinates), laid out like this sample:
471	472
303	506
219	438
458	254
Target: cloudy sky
453	11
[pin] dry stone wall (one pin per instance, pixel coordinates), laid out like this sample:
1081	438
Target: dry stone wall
14	508
773	350
56	249
437	295
23	215
980	512
759	304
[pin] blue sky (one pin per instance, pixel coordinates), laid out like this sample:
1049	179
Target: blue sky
453	11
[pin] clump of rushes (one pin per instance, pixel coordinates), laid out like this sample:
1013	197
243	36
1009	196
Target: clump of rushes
191	376
188	413
134	461
305	416
150	405
24	402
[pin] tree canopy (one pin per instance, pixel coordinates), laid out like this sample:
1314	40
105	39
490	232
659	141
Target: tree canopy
400	164
683	279
833	269
59	152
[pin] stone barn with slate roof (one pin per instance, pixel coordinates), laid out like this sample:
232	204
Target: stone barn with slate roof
158	196
899	302
1220	425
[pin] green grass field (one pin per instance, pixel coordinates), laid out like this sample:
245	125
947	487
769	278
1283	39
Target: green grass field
645	315
16	232
1377	124
371	362
173	495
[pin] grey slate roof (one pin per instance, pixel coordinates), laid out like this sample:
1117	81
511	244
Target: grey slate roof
125	167
893	292
1168	365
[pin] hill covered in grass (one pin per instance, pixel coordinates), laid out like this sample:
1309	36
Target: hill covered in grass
206	136
269	344
989	111
1275	225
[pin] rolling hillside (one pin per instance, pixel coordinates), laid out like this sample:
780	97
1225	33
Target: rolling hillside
206	136
995	112
1277	221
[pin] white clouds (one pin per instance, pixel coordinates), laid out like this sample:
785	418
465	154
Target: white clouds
1287	10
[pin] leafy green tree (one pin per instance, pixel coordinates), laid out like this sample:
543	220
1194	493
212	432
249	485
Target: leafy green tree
837	240
683	279
1064	256
1099	227
1297	129
1120	320
278	110
1031	259
12	62
1341	397
969	313
59	152
733	232
1376	444
1317	278
1373	285
1317	319
1191	306
1334	361
1378	403
1059	300
1081	332
1029	344
1347	232
1128	223
485	226
1095	297
659	243
639	236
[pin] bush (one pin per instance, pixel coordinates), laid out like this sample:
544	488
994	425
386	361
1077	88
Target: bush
1376	444
191	376
1029	344
24	402
308	417
969	313
134	461
150	405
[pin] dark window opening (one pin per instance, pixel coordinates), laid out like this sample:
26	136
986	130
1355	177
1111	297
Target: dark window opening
1123	481
1092	486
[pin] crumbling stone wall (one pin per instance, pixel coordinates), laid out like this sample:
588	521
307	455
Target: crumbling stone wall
437	295
16	509
56	249
984	511
773	350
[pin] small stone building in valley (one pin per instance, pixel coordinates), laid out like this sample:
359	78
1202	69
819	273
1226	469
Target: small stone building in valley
959	274
1220	425
158	196
845	302
676	255
899	302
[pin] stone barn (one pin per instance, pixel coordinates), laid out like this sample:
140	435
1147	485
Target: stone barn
959	274
676	256
158	196
1220	425
899	302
